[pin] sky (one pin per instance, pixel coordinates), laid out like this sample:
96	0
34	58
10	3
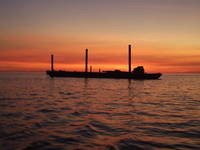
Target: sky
164	34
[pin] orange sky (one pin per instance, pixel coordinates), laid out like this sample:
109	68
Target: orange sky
164	35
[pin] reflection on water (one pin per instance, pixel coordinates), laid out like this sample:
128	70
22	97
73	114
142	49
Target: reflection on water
38	112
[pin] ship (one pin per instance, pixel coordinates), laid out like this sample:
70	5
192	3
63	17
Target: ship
136	73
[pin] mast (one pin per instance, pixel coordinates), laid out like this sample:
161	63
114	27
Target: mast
86	60
52	61
129	58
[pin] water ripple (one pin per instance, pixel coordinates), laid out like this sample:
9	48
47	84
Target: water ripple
37	112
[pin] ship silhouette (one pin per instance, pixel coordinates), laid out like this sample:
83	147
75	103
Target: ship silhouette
137	73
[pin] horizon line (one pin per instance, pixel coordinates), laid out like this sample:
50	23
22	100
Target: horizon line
94	71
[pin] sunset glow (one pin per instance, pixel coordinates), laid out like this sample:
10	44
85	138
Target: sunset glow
164	34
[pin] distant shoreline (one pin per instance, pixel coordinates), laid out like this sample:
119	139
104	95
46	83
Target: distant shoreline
163	72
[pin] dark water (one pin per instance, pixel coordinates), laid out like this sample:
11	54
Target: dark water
37	112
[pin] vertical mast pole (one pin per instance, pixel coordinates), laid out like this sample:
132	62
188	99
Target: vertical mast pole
129	58
52	61
86	60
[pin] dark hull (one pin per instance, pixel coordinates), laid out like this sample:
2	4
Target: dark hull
119	75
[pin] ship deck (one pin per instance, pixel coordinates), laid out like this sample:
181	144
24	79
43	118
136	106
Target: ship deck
111	74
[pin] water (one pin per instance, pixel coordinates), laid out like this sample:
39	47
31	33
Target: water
37	112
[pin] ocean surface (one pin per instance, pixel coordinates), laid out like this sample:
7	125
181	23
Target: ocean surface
41	113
